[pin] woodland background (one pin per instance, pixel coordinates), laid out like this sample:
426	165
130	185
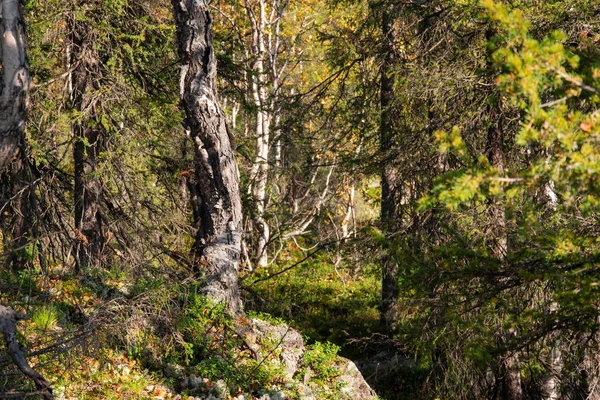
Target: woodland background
419	184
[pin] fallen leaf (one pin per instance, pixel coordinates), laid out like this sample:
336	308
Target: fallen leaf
586	126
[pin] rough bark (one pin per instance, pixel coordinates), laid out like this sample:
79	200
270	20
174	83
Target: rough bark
8	326
217	246
88	135
13	114
389	289
15	84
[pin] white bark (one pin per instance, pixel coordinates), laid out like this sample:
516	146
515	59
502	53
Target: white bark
218	244
551	386
349	217
15	82
265	51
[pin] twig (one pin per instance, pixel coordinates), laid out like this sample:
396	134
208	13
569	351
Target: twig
573	80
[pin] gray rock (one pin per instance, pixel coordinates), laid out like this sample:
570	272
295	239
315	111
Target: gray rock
307	376
173	370
288	340
355	387
277	396
220	389
191	383
306	393
260	336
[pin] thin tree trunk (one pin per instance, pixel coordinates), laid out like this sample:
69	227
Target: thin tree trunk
509	377
348	217
88	133
260	168
551	384
217	246
389	284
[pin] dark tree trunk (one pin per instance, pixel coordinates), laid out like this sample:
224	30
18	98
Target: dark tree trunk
87	133
389	284
496	232
13	113
509	377
217	246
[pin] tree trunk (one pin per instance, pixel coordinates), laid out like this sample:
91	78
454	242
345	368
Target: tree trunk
509	377
590	372
550	387
217	245
13	113
260	168
15	85
88	134
389	284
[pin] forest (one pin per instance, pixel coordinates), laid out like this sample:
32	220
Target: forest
300	199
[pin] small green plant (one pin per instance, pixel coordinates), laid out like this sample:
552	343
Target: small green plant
46	317
320	359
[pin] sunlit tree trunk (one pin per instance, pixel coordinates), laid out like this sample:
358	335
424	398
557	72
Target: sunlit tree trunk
259	173
217	244
550	387
389	176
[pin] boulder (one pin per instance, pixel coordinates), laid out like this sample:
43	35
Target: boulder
354	385
290	347
289	342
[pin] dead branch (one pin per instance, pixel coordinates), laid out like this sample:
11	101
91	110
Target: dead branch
8	326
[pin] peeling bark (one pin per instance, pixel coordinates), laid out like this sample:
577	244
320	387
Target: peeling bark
14	180
15	85
217	246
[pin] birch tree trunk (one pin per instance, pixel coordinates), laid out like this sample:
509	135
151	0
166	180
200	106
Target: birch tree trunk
88	134
550	388
13	114
217	246
15	86
259	173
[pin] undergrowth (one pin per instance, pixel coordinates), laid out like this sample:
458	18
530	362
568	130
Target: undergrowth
156	334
